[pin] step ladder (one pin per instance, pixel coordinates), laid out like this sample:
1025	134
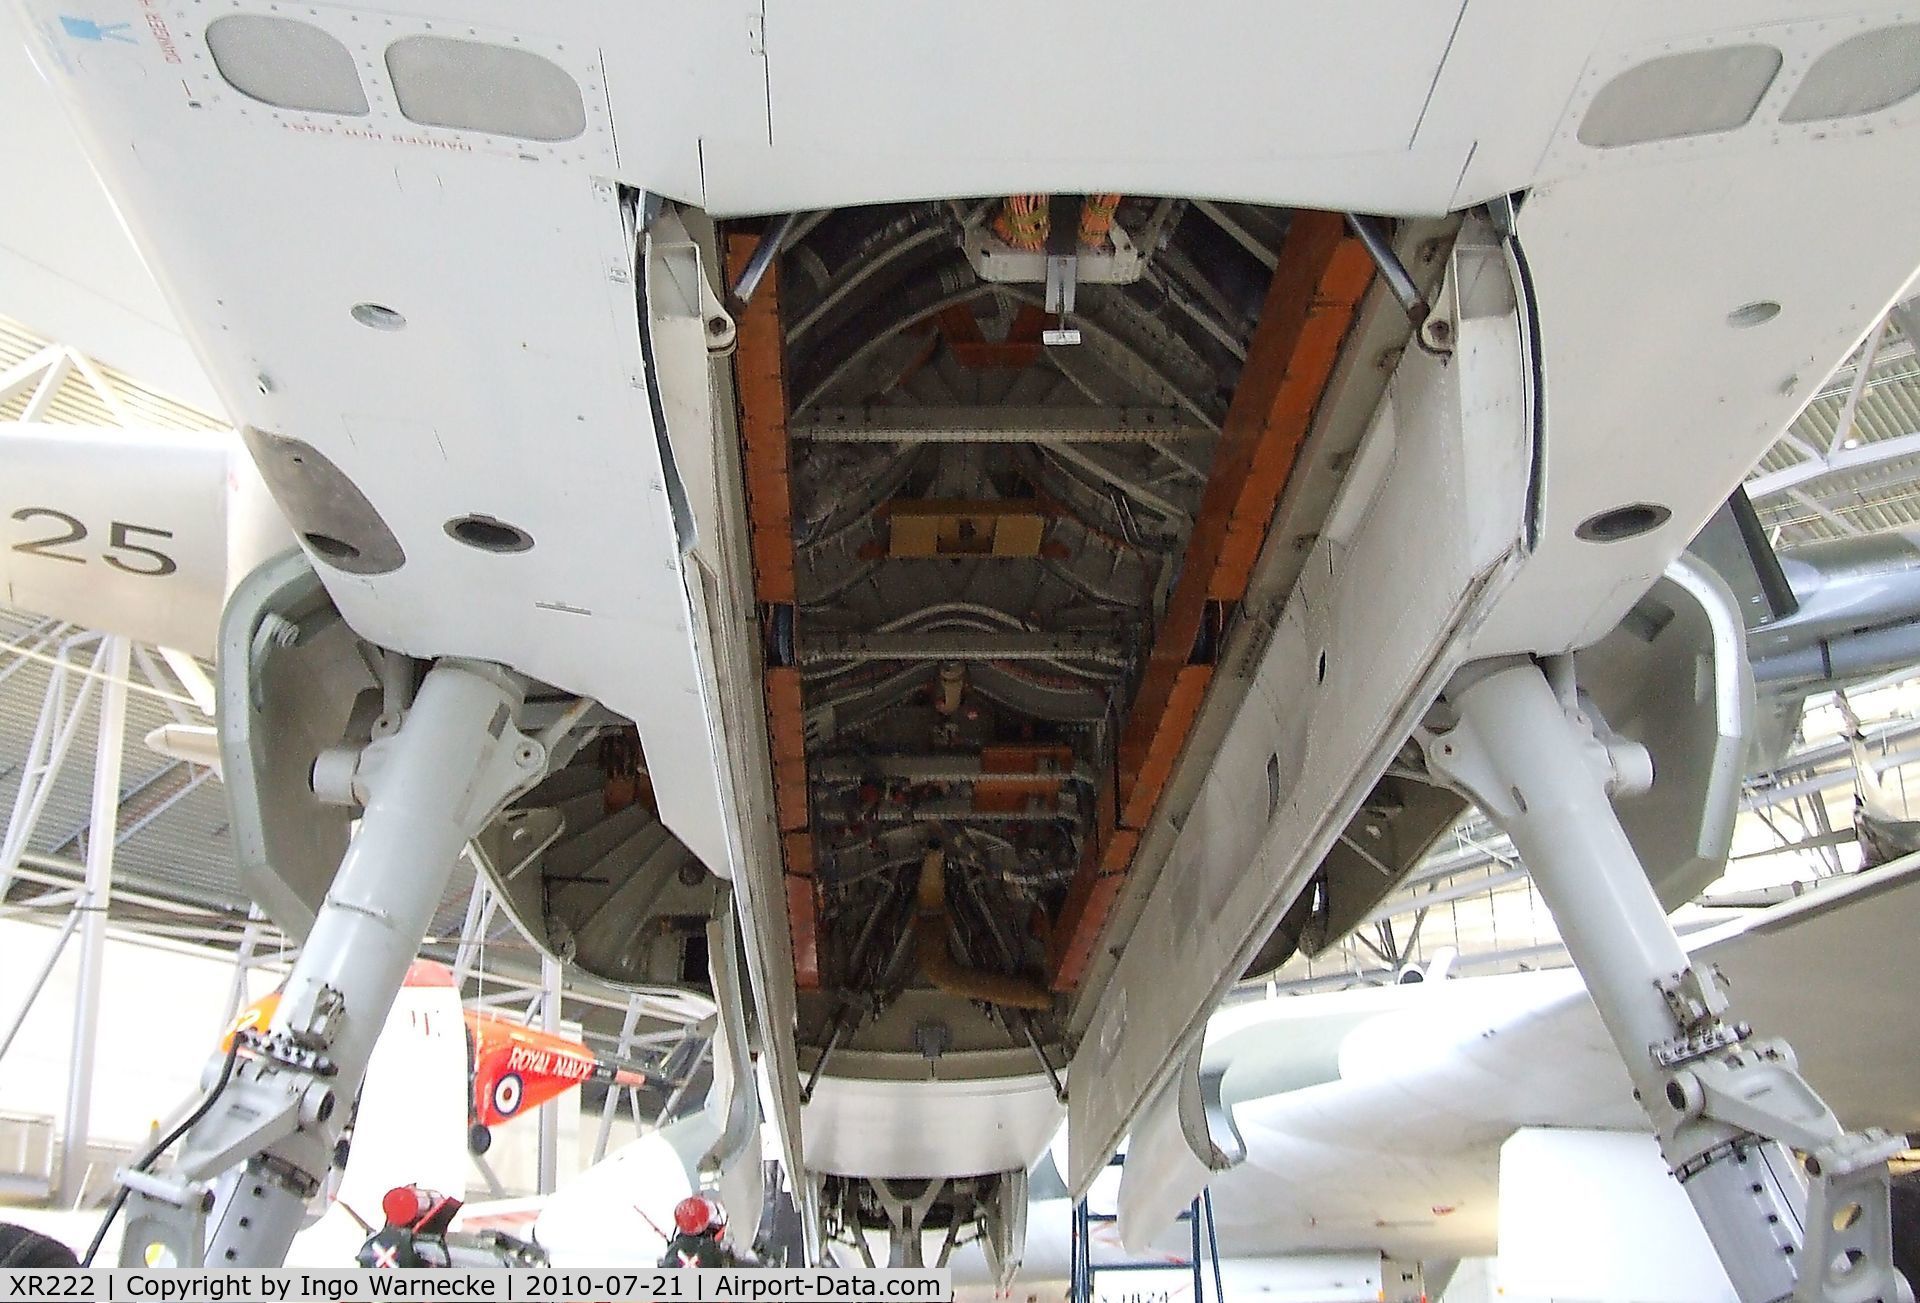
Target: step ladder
1199	1220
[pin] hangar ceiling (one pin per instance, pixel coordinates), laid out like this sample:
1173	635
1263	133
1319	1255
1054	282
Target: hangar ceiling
1851	463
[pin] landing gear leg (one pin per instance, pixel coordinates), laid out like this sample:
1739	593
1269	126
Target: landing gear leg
906	1215
427	786
1729	1109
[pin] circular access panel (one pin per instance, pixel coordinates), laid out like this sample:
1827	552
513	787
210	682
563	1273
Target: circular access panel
488	534
1623	522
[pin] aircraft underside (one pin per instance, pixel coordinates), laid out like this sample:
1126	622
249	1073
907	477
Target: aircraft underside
961	587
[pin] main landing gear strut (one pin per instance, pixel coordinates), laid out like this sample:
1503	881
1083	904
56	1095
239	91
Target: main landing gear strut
431	778
1731	1110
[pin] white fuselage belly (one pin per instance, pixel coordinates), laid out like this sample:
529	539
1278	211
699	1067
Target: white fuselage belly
516	389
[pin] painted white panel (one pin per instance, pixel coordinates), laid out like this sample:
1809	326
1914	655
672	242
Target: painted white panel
928	1127
1383	614
1405	109
1653	395
1594	1215
515	389
67	267
1503	155
1162	1175
998	97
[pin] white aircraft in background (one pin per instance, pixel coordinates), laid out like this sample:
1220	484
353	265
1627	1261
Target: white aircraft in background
1378	1119
695	602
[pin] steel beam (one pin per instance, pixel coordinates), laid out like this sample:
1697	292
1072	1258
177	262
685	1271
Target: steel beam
1113	477
943	645
1838	461
194	679
72	1170
39	982
146	800
622	1048
1850	410
52	737
21	376
941	810
24	652
242	965
866	271
55	871
549	1153
961	768
40	636
50	381
760	377
481	903
995	425
1839	522
1241	235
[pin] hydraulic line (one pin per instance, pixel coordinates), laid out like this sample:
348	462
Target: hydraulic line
148	1159
930	923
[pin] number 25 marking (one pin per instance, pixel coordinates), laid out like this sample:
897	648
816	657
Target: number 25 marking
120	538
